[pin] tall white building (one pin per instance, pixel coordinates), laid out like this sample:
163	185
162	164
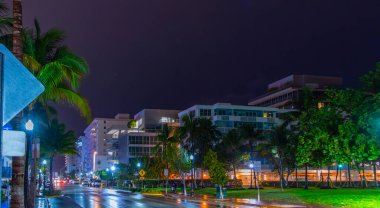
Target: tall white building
140	139
95	148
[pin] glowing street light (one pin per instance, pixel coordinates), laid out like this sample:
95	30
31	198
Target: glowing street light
113	168
107	169
44	162
29	125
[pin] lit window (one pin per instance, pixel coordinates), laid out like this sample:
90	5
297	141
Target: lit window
265	114
321	105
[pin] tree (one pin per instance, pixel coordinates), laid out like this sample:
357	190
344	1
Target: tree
57	140
230	150
165	150
281	148
196	136
251	136
207	137
182	166
56	67
217	172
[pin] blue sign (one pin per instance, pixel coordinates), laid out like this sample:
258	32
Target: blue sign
20	86
13	143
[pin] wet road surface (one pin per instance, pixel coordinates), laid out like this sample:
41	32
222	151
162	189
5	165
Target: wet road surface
88	197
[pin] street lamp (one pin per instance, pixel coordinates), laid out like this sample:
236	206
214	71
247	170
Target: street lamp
192	174
113	168
28	127
138	165
44	164
251	167
340	166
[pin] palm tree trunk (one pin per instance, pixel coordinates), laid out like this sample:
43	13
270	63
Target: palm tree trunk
17	191
234	168
336	175
374	175
18	163
306	178
296	176
17	28
328	177
349	174
51	187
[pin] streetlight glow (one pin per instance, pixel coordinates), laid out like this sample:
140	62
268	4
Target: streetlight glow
44	162
138	164
113	168
251	165
29	125
107	169
191	157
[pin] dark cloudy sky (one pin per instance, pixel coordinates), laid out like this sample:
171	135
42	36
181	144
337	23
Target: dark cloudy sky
176	53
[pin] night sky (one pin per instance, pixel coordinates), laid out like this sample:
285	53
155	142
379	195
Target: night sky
175	53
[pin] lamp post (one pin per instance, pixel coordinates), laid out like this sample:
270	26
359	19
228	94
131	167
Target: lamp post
29	129
340	174
138	165
107	170
44	164
192	174
113	168
251	167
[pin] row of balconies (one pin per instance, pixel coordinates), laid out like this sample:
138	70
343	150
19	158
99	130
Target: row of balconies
244	119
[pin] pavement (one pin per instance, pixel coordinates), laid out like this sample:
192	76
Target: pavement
74	196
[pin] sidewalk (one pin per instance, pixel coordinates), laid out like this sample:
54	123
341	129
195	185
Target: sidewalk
62	202
231	201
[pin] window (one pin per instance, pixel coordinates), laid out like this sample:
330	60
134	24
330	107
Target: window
320	105
265	114
205	112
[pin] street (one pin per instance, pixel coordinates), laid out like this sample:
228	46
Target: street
88	197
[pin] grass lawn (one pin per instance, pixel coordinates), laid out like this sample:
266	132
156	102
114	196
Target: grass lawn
341	197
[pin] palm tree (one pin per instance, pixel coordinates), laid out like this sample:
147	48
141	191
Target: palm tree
230	150
166	147
17	29
186	134
279	149
56	140
250	135
18	163
207	137
58	69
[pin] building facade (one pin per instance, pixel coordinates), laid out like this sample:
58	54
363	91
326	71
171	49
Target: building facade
285	92
95	148
226	116
139	138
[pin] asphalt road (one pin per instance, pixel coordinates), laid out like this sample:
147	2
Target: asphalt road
88	197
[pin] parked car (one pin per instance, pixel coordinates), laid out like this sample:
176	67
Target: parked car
96	183
85	183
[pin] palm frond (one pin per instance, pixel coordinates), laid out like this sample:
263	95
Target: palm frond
67	96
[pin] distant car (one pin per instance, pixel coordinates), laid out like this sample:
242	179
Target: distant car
76	181
96	183
85	183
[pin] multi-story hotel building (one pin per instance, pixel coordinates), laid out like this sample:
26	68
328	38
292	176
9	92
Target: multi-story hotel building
109	141
285	92
226	116
95	148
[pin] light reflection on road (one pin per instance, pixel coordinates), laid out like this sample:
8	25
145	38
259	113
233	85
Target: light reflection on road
88	197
